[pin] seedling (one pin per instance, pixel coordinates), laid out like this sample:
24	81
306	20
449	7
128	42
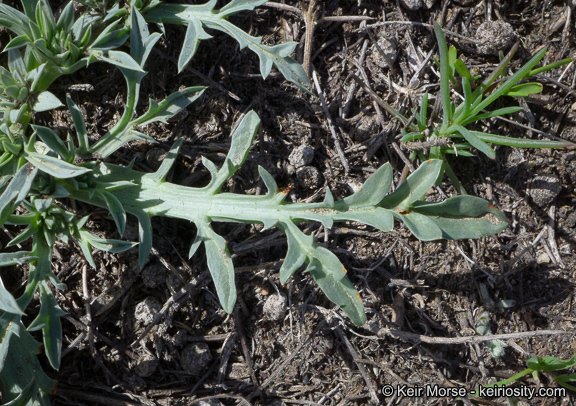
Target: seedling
477	97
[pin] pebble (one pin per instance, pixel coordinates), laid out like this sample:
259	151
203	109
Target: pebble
195	358
384	52
147	365
495	36
418	4
210	402
275	307
309	177
147	309
301	156
544	189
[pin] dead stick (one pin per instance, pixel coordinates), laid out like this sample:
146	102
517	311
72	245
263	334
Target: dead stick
403	335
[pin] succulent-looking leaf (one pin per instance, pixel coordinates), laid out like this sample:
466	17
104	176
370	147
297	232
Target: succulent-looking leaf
20	364
55	167
48	320
242	139
219	264
7	301
414	187
116	210
46	101
194	34
340	291
374	190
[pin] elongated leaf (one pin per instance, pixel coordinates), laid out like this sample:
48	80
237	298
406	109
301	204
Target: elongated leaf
444	75
117	58
490	114
54	142
16	191
463	216
13	258
476	142
80	126
55	167
66	19
145	233
294	259
340	291
373	190
219	264
116	210
48	320
170	106
519	142
239	5
194	34
510	82
550	363
415	186
242	139
108	244
7	301
525	89
21	366
377	217
141	40
462	70
421	226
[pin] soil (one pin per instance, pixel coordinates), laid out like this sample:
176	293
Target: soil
158	335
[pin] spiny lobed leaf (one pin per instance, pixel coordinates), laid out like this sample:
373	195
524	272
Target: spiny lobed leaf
148	195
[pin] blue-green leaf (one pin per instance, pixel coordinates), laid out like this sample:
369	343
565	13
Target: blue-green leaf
46	101
219	264
48	320
7	301
55	167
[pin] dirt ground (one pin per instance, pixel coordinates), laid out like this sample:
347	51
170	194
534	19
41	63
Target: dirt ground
158	336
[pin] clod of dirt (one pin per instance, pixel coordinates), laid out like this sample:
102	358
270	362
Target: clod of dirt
147	365
195	358
366	128
275	307
544	189
495	36
301	156
385	50
418	4
146	310
154	275
309	177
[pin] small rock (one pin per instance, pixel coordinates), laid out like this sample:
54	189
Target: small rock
544	189
210	402
495	36
301	156
195	358
384	51
543	258
147	365
418	4
147	309
275	307
309	177
154	275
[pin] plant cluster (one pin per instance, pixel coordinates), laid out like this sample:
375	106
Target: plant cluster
39	168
